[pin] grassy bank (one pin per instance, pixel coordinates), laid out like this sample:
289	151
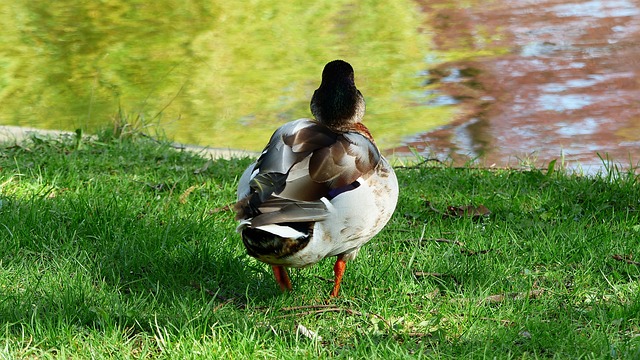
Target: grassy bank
123	248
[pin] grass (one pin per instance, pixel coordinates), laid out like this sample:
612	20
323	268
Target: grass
120	247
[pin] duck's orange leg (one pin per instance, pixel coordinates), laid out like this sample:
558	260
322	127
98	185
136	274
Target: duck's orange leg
282	277
338	270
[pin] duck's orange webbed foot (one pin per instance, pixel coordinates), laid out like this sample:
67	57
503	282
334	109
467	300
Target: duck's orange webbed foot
282	278
338	270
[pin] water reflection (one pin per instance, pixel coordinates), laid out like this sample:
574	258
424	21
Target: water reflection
597	9
492	82
565	82
214	73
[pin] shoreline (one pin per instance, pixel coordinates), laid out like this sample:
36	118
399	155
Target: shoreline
17	134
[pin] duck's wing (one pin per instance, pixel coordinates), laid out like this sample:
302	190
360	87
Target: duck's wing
304	163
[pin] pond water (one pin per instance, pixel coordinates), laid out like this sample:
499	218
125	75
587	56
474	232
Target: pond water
492	81
566	83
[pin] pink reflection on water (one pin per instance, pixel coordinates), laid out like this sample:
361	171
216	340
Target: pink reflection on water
569	84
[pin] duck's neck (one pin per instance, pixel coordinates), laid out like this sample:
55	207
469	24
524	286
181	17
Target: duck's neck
337	105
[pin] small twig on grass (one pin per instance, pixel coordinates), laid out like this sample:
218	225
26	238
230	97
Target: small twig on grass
383	320
499	298
475	212
225	300
172	188
455	242
626	259
304	307
223	304
494	299
504	322
322	310
417	334
17	146
440	240
471	252
431	274
325	279
221	209
204	167
447	241
428	204
209	292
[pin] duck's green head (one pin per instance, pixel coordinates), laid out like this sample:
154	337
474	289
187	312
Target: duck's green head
337	102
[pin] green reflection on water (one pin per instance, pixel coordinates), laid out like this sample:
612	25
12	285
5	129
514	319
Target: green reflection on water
216	73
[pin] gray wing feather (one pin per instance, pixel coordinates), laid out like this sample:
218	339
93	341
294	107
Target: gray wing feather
290	211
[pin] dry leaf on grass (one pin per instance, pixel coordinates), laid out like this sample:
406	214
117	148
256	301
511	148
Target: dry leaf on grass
474	212
186	193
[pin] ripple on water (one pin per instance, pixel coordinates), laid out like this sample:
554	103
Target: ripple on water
566	84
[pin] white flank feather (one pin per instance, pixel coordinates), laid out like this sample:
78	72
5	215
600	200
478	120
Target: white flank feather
282	231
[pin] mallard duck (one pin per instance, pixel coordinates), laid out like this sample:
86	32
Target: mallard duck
320	188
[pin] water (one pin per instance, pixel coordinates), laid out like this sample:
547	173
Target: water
494	82
565	85
213	73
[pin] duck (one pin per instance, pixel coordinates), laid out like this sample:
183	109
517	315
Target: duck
320	188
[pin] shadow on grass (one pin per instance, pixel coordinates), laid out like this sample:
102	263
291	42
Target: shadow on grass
130	239
90	261
115	236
